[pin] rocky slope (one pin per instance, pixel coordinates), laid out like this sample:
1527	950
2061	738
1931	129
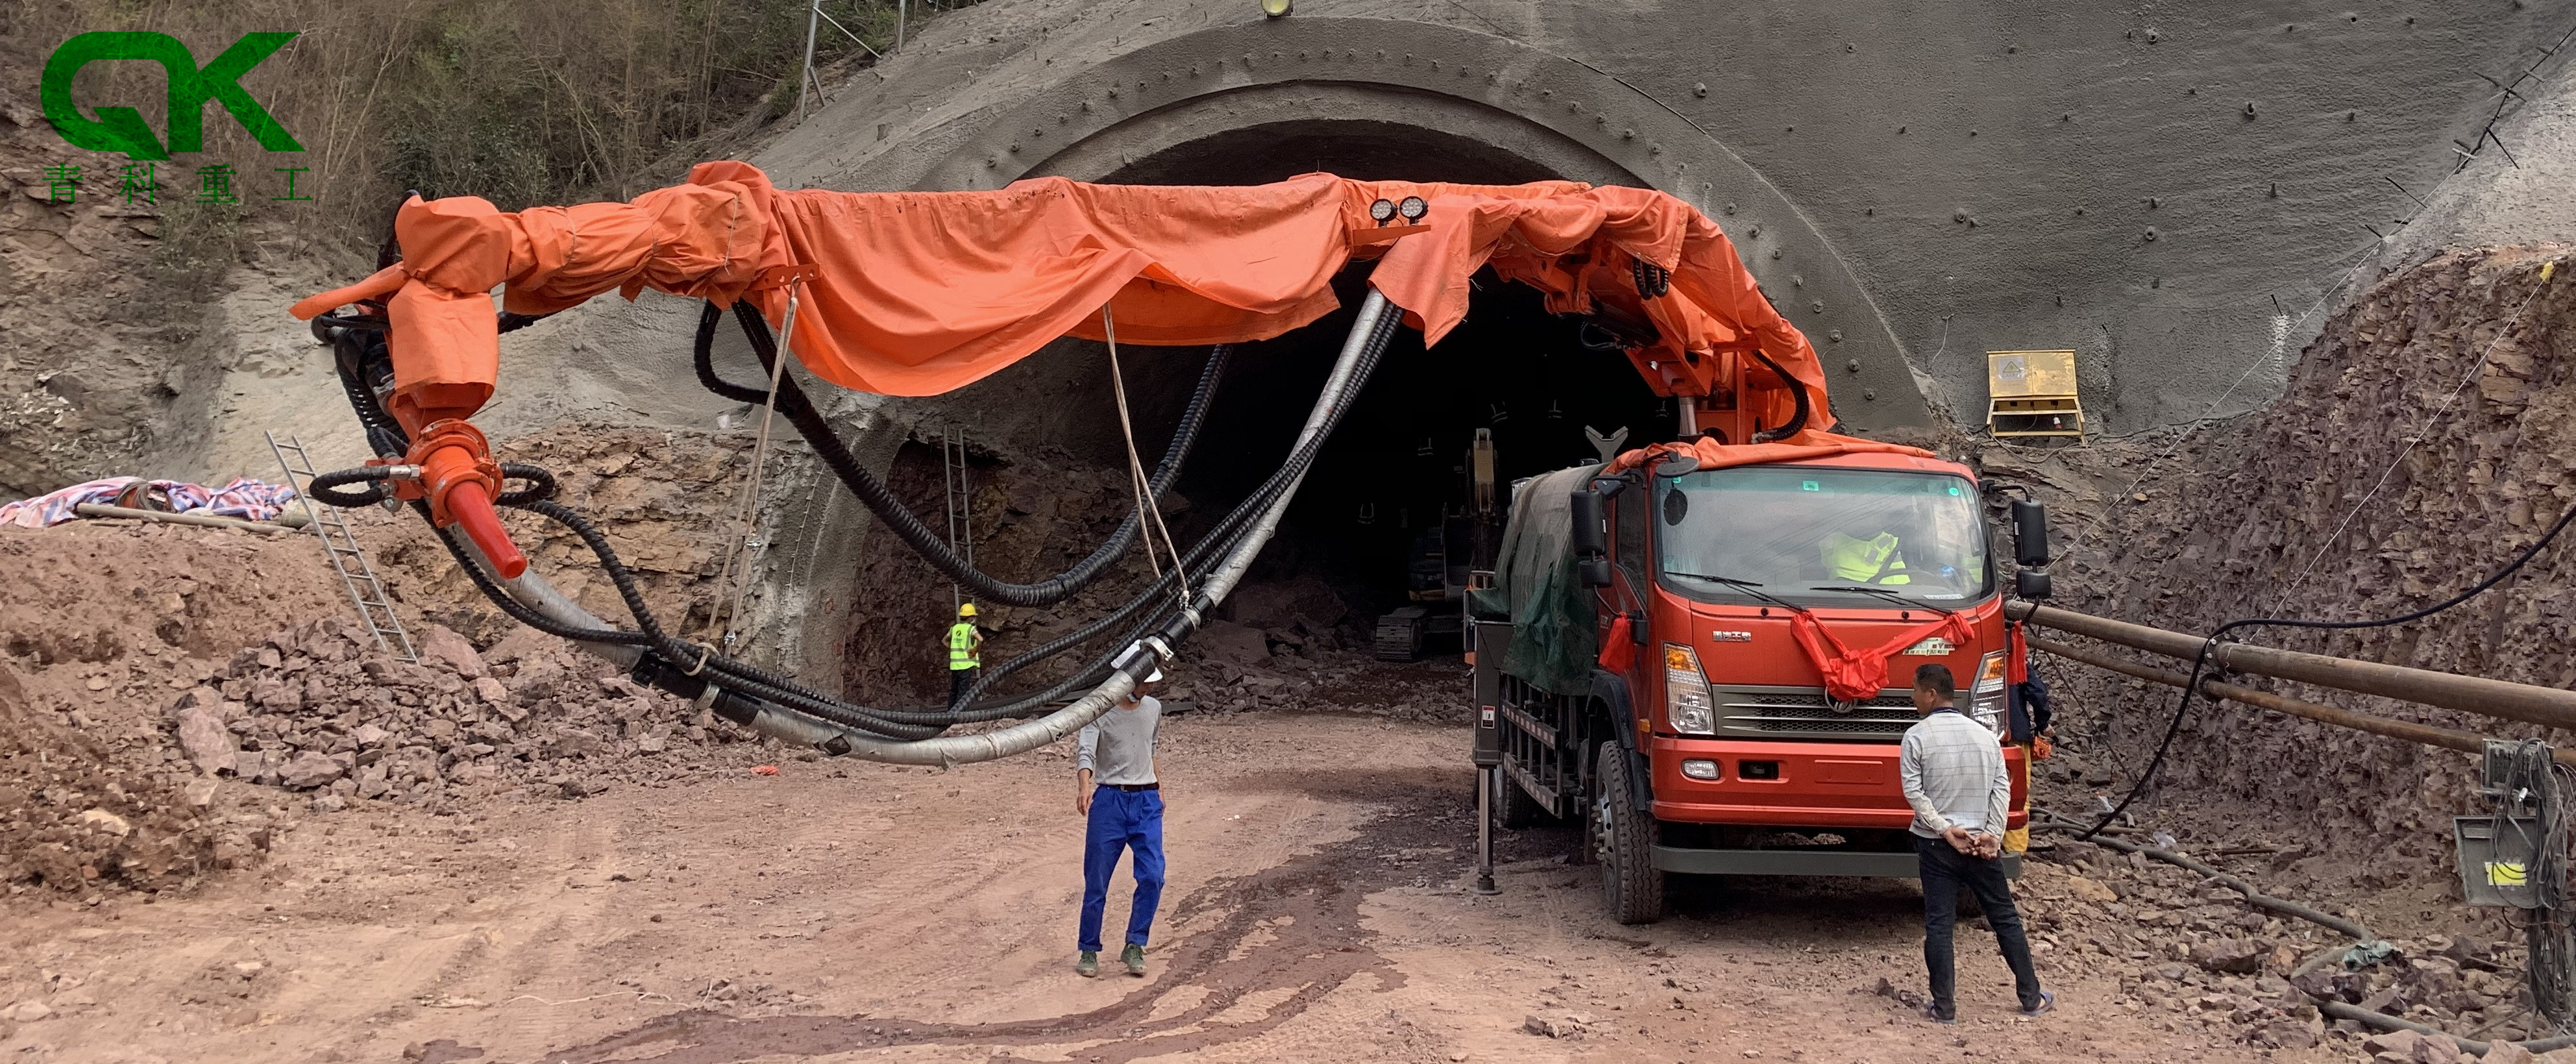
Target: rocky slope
2425	439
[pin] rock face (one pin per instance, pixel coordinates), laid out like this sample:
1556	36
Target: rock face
1230	642
2369	489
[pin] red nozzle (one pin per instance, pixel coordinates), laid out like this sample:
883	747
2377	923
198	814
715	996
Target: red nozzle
459	479
472	509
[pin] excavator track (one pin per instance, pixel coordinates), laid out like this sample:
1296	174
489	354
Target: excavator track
1399	635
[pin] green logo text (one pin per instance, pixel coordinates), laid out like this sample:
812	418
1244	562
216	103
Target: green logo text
122	129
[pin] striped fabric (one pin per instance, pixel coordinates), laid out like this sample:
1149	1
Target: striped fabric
248	499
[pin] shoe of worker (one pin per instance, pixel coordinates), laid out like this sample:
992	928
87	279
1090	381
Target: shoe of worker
2047	1001
1135	958
1933	1013
1087	965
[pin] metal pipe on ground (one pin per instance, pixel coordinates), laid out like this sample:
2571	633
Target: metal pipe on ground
2493	698
2253	897
95	509
2426	734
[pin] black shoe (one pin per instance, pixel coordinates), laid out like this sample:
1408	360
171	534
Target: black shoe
2047	1001
1933	1014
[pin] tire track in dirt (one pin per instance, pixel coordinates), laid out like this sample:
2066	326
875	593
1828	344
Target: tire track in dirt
1306	908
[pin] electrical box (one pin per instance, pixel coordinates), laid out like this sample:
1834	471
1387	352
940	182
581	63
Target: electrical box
2032	393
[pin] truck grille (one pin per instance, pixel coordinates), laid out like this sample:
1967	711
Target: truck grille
1803	713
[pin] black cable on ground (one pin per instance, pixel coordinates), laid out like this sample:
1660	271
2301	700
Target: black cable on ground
2200	661
817	431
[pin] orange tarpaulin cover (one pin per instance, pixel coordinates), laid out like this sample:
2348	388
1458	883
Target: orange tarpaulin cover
918	293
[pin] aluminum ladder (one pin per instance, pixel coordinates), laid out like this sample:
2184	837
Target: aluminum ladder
375	607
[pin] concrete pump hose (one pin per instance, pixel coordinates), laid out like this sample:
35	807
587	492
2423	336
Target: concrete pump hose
791	726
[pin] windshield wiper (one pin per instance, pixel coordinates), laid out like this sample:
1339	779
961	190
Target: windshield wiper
1889	596
1748	586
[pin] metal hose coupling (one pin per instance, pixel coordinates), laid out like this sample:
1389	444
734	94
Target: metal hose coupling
459	479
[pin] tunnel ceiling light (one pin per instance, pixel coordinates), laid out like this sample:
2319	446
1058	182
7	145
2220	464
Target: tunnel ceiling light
1277	8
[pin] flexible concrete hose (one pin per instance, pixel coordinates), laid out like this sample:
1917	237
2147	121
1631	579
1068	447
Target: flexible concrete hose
1367	339
1370	333
817	431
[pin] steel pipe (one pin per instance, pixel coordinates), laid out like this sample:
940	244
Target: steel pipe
2527	703
2426	734
100	509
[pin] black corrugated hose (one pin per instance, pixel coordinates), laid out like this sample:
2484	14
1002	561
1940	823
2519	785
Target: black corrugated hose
817	431
746	679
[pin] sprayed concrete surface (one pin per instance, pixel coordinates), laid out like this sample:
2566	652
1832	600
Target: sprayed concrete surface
1317	909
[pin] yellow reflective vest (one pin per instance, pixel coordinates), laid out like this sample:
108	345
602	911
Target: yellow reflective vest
1865	561
961	646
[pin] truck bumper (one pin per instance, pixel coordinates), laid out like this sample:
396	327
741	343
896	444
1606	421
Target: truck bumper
1799	862
1794	784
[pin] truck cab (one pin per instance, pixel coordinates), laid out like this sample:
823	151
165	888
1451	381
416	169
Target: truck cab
1706	741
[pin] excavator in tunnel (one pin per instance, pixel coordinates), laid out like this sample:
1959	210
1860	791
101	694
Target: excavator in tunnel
1684	646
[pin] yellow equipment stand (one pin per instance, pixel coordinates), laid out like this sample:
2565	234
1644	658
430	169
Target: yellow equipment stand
2032	393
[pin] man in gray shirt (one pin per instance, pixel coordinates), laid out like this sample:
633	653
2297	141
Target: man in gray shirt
1125	812
1952	769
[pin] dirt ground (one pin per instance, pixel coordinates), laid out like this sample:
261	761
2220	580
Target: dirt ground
1318	907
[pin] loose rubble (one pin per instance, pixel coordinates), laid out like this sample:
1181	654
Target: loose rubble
318	708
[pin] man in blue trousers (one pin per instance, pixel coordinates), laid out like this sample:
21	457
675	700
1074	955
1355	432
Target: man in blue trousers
1125	810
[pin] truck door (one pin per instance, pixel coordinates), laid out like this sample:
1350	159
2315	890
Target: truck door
1627	594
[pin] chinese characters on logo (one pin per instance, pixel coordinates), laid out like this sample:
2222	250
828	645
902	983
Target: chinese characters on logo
139	183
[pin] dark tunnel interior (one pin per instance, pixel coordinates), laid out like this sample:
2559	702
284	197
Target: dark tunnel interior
1397	465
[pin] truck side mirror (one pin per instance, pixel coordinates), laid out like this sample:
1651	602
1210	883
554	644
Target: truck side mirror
2030	533
1590	537
1594	572
2031	584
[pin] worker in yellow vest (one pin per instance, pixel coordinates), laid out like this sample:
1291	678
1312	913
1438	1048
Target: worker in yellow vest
965	644
1877	560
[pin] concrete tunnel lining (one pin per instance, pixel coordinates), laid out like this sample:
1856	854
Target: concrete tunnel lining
804	606
2072	121
1509	356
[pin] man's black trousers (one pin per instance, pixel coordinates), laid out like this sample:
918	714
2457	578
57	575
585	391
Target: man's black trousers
1945	870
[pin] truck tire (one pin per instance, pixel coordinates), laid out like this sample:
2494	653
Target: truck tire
1624	840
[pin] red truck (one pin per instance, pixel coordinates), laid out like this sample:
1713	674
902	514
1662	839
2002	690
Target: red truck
1755	612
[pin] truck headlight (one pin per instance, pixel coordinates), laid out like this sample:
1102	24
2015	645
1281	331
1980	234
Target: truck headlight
1686	703
1986	701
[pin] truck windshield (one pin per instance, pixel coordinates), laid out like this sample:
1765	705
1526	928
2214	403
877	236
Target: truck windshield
1813	535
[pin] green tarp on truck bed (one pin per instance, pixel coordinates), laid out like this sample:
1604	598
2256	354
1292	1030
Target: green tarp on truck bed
1553	644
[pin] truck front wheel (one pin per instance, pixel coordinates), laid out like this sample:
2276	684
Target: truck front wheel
1624	840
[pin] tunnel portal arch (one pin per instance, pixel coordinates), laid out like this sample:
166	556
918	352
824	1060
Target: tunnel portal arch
1455	86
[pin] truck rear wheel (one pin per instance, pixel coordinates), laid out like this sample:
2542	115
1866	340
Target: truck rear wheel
1624	839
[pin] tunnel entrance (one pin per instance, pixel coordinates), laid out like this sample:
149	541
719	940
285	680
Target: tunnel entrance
1371	514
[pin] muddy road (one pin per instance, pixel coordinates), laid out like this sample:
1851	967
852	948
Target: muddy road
1318	908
